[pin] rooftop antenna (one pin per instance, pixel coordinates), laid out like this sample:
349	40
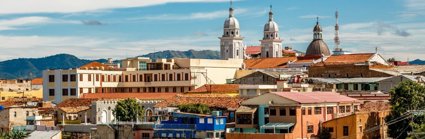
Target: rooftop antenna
336	39
376	49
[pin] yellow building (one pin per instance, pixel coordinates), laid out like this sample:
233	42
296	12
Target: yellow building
359	125
6	95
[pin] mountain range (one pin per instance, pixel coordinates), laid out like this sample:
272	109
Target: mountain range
32	67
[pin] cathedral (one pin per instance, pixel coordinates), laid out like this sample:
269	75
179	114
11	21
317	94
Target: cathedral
233	47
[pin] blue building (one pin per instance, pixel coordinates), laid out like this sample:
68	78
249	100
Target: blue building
189	125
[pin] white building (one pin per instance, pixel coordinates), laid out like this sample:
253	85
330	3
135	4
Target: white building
137	75
271	44
231	42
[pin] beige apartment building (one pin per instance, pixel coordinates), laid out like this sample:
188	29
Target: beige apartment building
137	75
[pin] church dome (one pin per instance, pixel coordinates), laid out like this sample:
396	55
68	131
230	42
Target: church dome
318	47
231	22
271	26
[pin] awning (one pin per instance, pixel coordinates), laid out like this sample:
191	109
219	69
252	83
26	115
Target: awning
245	109
277	125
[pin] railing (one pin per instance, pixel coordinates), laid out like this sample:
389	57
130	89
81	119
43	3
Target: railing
174	126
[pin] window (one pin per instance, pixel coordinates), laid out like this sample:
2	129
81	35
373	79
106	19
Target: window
89	90
81	77
65	78
97	77
330	129
126	78
272	112
155	77
310	128
64	92
309	111
356	108
134	78
210	120
201	120
282	111
292	111
51	92
329	110
51	78
178	77
186	76
145	136
73	77
73	92
222	121
28	113
89	77
317	110
210	134
81	90
347	109
14	114
217	122
345	130
303	111
341	109
162	77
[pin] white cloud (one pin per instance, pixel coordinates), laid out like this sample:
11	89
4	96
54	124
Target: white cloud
191	16
72	6
413	9
18	23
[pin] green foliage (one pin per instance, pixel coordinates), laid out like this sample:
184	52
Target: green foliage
128	110
14	134
404	97
195	108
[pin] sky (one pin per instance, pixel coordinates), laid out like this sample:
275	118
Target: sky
93	29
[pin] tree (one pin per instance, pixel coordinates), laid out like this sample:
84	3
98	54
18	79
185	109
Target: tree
128	110
405	97
195	108
391	59
14	134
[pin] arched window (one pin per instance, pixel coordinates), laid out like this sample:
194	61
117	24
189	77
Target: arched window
233	33
227	33
267	54
237	52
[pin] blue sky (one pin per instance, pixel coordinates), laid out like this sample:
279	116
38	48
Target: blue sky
118	29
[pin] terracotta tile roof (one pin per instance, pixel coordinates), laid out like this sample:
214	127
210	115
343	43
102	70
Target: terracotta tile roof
315	97
243	73
75	105
37	81
18	101
217	88
95	65
265	63
76	102
144	96
375	107
253	50
347	59
212	100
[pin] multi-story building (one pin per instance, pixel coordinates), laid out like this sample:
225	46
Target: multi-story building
15	113
19	88
137	75
189	125
290	114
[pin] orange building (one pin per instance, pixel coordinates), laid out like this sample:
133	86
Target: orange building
367	123
291	115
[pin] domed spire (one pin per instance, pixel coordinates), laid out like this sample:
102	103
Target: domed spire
271	13
317	30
